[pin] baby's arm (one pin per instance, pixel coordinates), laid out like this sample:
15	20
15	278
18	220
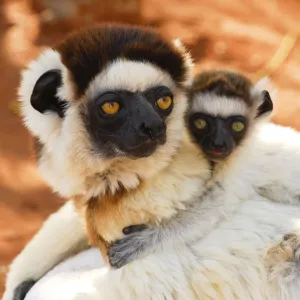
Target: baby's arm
186	227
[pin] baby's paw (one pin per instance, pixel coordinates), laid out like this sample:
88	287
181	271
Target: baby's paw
133	246
282	258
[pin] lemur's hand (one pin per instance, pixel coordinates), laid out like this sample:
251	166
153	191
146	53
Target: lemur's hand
137	243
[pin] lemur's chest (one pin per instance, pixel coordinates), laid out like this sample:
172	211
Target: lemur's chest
108	215
150	203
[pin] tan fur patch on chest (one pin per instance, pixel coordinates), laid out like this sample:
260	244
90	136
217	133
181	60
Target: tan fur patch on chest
107	215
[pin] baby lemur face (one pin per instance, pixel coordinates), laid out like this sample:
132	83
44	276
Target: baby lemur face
224	106
106	106
217	136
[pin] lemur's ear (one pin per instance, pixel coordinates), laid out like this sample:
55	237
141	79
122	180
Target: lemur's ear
44	95
188	62
266	107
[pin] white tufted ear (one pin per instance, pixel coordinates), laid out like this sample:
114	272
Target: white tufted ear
40	125
188	62
264	84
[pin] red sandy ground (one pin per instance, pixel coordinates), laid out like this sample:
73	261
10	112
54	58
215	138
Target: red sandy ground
242	35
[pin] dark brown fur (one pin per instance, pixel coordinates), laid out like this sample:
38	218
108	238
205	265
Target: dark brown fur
87	53
38	148
223	83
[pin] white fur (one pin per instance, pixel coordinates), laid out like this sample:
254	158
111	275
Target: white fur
47	126
188	62
228	263
264	84
72	277
221	106
260	86
130	75
73	238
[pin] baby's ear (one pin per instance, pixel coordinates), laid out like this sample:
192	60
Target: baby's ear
264	84
264	93
266	106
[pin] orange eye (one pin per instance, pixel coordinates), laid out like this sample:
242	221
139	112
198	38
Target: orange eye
164	102
110	108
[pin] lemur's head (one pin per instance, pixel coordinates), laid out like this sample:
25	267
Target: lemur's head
224	106
106	107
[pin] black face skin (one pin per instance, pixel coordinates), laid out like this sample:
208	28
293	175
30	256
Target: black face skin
136	130
217	139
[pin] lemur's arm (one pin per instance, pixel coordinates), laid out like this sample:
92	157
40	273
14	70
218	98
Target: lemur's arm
186	227
205	213
61	236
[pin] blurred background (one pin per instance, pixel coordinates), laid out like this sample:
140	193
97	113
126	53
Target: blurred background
254	36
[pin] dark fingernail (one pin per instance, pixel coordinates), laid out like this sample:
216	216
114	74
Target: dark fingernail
22	289
134	228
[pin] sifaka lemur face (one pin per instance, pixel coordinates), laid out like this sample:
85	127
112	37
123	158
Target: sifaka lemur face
107	100
223	107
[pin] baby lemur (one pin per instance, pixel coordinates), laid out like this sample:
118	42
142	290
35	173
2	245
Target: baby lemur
222	109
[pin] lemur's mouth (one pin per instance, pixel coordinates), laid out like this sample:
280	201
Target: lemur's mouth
143	150
215	155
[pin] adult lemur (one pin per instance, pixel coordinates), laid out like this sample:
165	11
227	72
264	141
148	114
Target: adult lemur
83	84
106	107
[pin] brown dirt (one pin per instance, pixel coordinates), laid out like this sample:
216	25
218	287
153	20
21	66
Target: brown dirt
228	33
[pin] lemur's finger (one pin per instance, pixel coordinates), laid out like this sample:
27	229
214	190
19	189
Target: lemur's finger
134	228
22	289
